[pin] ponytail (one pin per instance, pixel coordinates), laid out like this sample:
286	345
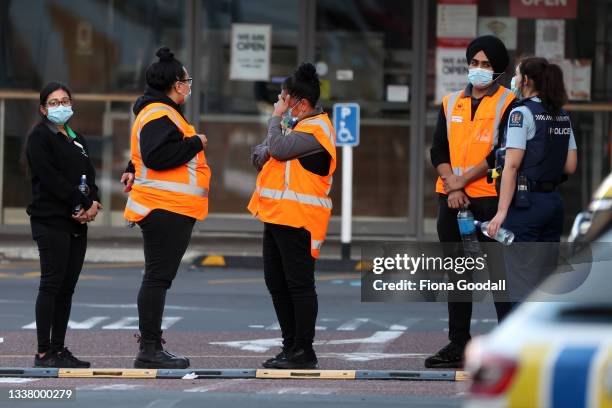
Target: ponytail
553	92
547	80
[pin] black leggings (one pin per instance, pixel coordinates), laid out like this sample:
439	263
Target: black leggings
460	312
289	274
61	259
166	237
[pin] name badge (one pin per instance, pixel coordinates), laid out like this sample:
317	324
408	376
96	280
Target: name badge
458	119
78	144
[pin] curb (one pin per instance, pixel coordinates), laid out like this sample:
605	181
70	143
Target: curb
203	262
187	374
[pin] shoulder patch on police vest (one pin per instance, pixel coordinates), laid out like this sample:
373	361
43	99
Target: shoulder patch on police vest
516	119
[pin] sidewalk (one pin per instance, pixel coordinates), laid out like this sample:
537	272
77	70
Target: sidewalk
230	249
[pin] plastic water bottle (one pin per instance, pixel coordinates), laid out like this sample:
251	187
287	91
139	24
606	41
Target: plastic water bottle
84	189
467	229
503	235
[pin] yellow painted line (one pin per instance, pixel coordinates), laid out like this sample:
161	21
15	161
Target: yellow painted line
213	260
462	376
527	386
364	265
601	388
307	374
106	373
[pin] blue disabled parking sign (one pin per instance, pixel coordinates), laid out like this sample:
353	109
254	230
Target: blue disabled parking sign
346	124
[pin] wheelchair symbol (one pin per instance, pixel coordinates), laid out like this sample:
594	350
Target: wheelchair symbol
344	135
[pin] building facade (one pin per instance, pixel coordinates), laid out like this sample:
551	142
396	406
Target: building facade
389	56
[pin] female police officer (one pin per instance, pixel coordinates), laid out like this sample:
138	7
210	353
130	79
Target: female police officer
291	198
540	153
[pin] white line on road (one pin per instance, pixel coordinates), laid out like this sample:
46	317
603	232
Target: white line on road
218	385
163	403
125	323
125	306
378	341
111	387
131	323
10	380
353	324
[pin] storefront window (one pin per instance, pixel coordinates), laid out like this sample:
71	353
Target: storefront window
565	35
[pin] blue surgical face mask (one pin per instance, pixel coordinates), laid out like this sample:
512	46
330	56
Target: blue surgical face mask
59	114
480	77
515	90
288	120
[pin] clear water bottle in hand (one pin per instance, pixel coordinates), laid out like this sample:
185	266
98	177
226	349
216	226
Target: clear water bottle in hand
503	235
467	229
84	189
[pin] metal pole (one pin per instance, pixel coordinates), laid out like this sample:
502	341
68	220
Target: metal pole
347	201
2	139
418	111
107	163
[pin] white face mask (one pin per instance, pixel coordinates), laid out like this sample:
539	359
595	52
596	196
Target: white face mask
515	89
480	77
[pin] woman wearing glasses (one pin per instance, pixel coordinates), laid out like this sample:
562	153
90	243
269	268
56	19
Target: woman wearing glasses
58	159
167	195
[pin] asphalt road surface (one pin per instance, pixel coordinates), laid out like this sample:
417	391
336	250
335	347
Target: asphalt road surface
223	318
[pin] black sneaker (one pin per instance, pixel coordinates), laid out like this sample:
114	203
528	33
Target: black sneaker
269	363
299	359
449	356
68	360
152	355
49	360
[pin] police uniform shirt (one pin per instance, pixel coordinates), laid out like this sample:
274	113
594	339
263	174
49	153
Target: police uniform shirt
522	127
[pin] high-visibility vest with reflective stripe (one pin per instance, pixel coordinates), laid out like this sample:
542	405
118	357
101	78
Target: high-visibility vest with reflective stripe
182	190
288	194
470	141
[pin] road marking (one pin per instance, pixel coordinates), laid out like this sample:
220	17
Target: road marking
84	325
163	403
218	385
300	391
123	306
131	323
361	356
111	387
380	338
125	323
353	324
1	340
10	380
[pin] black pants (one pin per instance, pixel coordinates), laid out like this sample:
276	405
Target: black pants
460	312
289	274
61	259
166	236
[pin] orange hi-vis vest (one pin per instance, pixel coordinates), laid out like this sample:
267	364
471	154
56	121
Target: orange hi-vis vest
288	194
182	190
471	141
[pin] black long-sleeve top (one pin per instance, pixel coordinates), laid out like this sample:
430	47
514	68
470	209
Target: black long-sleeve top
56	164
162	145
440	150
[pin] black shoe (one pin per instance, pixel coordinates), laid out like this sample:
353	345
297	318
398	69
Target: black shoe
68	360
269	363
152	355
450	356
49	360
299	359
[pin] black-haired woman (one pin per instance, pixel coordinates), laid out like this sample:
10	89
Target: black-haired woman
169	193
296	163
540	152
58	159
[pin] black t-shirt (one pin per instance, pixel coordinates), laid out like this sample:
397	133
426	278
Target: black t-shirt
57	163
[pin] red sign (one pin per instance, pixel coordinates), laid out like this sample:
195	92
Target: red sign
563	9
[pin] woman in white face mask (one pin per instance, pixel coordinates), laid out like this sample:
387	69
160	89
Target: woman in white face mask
64	200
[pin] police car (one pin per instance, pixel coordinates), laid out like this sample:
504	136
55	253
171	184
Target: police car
555	353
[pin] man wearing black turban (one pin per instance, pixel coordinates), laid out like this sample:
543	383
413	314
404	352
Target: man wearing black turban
468	126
